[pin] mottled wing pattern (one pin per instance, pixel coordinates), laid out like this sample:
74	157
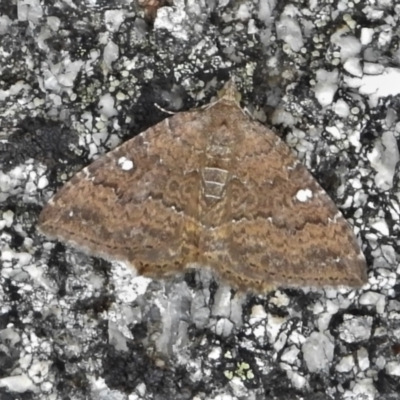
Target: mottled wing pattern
210	187
283	229
136	203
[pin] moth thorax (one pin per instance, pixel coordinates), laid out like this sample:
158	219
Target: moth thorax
214	182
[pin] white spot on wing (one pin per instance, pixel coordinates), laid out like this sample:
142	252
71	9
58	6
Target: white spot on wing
125	164
304	195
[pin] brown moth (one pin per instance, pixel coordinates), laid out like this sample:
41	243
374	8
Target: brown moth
212	188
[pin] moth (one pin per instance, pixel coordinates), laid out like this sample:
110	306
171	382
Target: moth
212	188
